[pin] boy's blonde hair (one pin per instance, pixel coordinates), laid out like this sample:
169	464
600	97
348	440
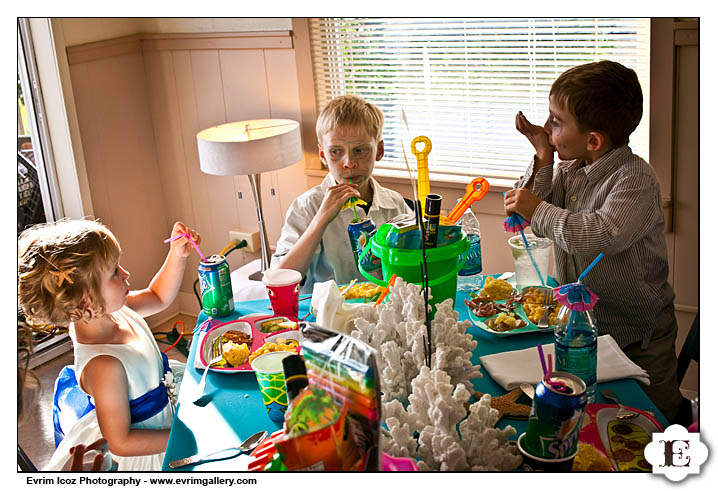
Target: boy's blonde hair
350	110
603	96
59	270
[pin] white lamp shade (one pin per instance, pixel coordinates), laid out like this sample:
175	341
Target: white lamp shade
249	147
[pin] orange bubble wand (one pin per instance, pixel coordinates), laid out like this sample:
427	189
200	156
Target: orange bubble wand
475	191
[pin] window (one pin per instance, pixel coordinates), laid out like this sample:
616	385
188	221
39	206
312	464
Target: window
37	195
461	82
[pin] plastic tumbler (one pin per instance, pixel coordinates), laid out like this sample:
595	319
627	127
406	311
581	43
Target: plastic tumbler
270	376
283	290
540	250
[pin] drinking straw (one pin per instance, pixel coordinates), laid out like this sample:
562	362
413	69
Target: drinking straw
550	366
580	278
194	244
531	256
590	266
354	207
541	357
175	237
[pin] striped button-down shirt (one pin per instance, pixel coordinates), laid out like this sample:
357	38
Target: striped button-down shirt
611	206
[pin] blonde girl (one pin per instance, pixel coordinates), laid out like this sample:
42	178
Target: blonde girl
69	273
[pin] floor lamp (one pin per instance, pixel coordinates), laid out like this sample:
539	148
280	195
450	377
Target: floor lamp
250	148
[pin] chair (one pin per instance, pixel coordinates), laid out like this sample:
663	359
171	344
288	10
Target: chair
689	351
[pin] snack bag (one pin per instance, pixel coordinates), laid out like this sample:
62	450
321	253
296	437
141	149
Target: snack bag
345	368
316	436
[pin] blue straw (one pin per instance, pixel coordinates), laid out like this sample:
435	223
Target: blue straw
590	267
531	256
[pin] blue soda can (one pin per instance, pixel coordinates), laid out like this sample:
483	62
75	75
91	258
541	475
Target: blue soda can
359	233
216	286
555	418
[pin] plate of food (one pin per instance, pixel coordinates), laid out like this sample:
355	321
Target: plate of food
498	308
622	442
275	324
364	292
245	339
532	299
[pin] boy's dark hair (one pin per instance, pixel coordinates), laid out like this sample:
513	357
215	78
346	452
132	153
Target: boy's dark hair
603	96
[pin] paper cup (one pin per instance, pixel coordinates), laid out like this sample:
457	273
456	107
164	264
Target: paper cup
540	464
270	376
283	290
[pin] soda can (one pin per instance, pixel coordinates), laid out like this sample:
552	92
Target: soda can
555	418
216	286
359	233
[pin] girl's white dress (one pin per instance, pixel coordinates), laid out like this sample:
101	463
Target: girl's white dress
143	364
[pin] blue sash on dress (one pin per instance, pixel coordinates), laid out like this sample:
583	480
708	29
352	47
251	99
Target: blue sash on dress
70	403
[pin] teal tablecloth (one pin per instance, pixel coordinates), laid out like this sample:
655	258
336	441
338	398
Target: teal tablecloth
234	410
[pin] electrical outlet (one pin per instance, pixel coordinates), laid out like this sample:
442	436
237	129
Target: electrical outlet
251	238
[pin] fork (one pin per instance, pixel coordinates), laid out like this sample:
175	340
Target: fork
215	355
543	322
622	413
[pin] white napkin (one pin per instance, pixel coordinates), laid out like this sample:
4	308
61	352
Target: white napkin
329	307
511	368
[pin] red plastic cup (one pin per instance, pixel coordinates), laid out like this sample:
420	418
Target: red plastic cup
283	290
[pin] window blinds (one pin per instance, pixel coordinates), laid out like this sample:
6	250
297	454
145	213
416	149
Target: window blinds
461	82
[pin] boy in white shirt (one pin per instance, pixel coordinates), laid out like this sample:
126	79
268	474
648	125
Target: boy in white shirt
314	239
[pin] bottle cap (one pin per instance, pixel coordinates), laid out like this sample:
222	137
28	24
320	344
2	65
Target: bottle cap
433	204
293	365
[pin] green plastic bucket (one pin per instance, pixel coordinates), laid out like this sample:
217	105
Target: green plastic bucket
442	262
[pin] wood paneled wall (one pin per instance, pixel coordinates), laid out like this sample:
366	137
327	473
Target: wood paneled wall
141	101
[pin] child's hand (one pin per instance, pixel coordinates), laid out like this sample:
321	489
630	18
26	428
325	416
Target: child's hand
521	201
538	137
182	246
335	198
77	456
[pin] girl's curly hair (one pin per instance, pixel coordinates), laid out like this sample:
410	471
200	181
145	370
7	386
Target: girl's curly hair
77	249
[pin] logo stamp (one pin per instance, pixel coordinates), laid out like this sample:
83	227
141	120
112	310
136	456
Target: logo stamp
676	453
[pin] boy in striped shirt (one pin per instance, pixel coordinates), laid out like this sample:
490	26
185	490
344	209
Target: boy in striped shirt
600	197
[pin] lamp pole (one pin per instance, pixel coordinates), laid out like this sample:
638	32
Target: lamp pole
255	182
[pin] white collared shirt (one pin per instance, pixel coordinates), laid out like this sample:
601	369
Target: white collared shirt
333	259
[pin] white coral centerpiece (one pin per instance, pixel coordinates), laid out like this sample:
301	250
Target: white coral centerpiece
435	396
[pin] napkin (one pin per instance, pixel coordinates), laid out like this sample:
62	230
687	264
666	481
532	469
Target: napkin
511	368
329	307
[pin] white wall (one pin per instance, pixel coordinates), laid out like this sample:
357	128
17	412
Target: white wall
86	30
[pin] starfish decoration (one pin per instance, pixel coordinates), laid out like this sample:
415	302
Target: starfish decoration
63	275
507	406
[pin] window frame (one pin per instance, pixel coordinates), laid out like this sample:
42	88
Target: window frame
394	172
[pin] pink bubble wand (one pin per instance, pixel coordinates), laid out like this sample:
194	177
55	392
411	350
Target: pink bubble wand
196	247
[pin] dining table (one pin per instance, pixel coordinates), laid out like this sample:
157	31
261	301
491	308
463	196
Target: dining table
232	408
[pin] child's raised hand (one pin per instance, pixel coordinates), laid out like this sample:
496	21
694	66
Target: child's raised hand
521	201
334	199
538	137
182	246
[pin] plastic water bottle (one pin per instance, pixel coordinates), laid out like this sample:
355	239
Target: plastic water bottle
576	348
470	277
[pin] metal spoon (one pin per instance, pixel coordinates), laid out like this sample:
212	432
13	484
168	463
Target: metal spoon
622	413
246	446
528	389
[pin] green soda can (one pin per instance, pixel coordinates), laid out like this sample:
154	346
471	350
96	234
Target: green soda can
216	286
359	232
555	417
